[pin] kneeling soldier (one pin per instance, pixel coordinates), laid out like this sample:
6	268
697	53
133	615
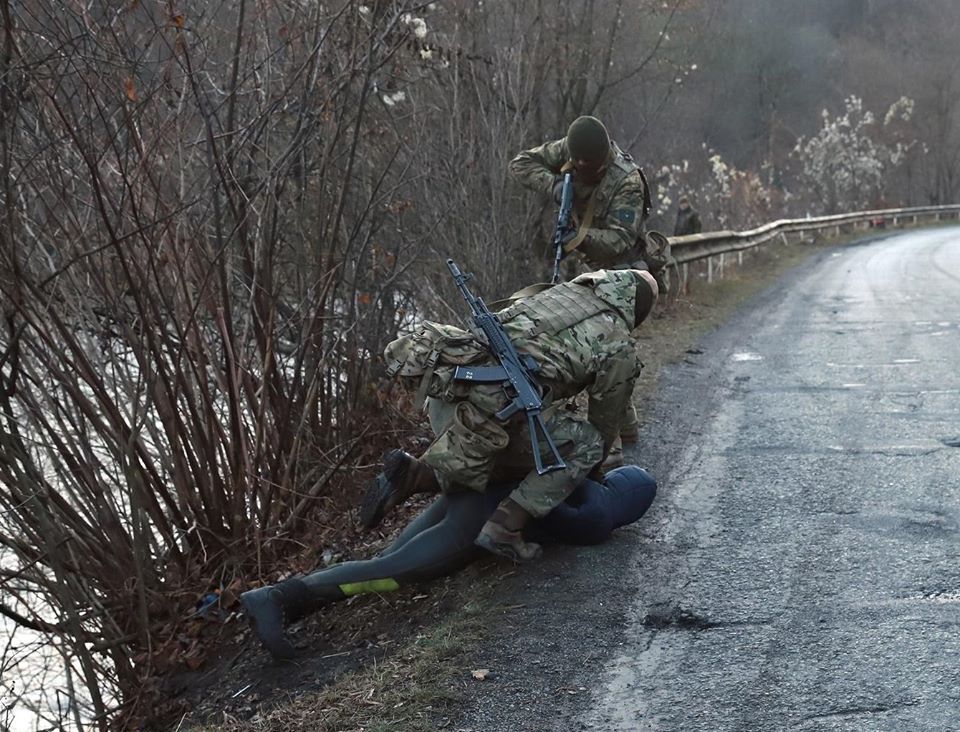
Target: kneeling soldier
579	333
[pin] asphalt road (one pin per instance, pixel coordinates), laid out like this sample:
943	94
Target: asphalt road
800	569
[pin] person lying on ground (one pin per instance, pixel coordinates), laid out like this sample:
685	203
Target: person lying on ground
440	541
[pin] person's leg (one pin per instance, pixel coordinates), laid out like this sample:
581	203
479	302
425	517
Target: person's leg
580	445
624	447
460	458
431	516
431	551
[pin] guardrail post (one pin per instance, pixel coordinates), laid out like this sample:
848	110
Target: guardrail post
709	270
686	277
783	238
896	220
720	269
740	258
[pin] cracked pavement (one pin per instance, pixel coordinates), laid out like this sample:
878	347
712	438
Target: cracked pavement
800	568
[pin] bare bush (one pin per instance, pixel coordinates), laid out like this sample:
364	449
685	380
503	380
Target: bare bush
214	218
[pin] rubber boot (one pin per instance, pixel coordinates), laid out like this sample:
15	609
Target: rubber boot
502	534
272	607
402	476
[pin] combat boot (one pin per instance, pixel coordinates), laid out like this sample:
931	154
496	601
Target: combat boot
614	458
270	608
624	449
629	444
402	476
502	534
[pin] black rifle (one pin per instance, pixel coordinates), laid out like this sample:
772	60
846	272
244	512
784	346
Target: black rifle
564	223
515	372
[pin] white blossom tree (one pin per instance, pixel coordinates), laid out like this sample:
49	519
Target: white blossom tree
847	163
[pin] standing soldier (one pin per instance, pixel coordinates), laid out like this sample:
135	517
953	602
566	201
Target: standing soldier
611	201
579	333
688	220
611	198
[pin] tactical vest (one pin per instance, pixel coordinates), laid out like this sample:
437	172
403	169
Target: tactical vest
556	309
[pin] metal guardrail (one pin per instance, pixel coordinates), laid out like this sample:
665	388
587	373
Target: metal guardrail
686	249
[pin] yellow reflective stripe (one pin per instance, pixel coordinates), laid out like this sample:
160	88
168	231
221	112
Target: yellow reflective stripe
387	584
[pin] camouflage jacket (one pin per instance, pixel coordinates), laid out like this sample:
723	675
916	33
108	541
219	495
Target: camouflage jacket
619	210
578	331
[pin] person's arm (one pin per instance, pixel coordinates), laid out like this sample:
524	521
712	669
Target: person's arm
611	390
615	233
538	168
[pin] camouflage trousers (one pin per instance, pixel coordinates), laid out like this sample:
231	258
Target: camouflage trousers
474	448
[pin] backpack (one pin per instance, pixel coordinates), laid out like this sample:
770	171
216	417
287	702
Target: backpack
417	356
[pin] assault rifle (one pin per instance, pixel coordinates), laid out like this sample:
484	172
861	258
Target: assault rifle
515	372
564	223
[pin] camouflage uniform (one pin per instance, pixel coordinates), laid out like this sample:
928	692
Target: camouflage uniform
579	333
614	238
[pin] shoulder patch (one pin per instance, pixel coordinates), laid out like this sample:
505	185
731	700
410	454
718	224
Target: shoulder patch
625	215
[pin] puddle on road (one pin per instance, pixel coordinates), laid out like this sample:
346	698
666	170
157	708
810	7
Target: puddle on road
746	356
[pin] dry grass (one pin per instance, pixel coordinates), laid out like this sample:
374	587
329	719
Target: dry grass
410	690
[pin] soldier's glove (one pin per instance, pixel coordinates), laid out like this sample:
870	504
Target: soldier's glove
557	189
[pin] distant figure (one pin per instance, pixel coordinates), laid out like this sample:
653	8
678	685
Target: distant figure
688	220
